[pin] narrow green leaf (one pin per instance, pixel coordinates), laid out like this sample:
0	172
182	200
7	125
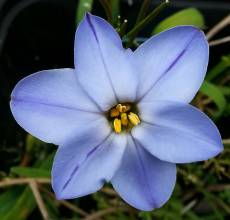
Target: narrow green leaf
115	8
51	207
220	68
83	7
33	144
47	163
192	216
30	172
23	206
189	16
143	10
107	8
216	95
144	22
213	201
225	90
7	200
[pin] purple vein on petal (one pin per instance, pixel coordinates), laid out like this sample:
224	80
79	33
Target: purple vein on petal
144	178
86	158
180	54
27	100
101	54
88	96
180	131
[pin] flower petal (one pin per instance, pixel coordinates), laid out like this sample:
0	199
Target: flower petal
88	161
103	65
177	132
51	105
172	64
142	180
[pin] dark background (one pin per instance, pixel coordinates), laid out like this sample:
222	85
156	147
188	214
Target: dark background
39	34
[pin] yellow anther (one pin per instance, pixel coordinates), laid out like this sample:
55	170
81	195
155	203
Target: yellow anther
114	112
124	119
117	125
134	119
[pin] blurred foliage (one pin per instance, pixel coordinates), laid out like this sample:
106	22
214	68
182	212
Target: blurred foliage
202	191
190	16
83	7
214	93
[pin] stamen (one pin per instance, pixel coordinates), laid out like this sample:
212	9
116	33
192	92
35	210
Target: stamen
127	107
124	119
114	113
119	107
134	119
123	108
117	125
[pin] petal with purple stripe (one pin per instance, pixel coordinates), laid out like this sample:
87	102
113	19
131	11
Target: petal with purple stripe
172	65
142	180
87	163
177	132
51	105
104	69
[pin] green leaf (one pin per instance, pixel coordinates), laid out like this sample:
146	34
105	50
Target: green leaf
144	22
47	163
220	68
189	16
51	207
33	144
191	215
83	7
7	200
216	95
30	172
23	206
25	203
115	8
225	90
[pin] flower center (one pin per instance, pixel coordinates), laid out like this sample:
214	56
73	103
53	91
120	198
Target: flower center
123	117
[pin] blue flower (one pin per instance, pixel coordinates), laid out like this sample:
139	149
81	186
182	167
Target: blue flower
121	116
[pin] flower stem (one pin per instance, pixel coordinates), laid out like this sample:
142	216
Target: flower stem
123	28
115	10
107	7
133	33
144	7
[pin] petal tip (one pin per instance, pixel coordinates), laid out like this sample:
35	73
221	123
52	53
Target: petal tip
59	192
219	149
88	16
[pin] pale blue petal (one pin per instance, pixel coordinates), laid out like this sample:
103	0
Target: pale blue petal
172	65
177	132
142	180
103	66
51	105
83	165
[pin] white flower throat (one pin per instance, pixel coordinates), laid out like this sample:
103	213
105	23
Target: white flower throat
123	118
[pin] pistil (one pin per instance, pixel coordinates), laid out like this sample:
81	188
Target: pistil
123	118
